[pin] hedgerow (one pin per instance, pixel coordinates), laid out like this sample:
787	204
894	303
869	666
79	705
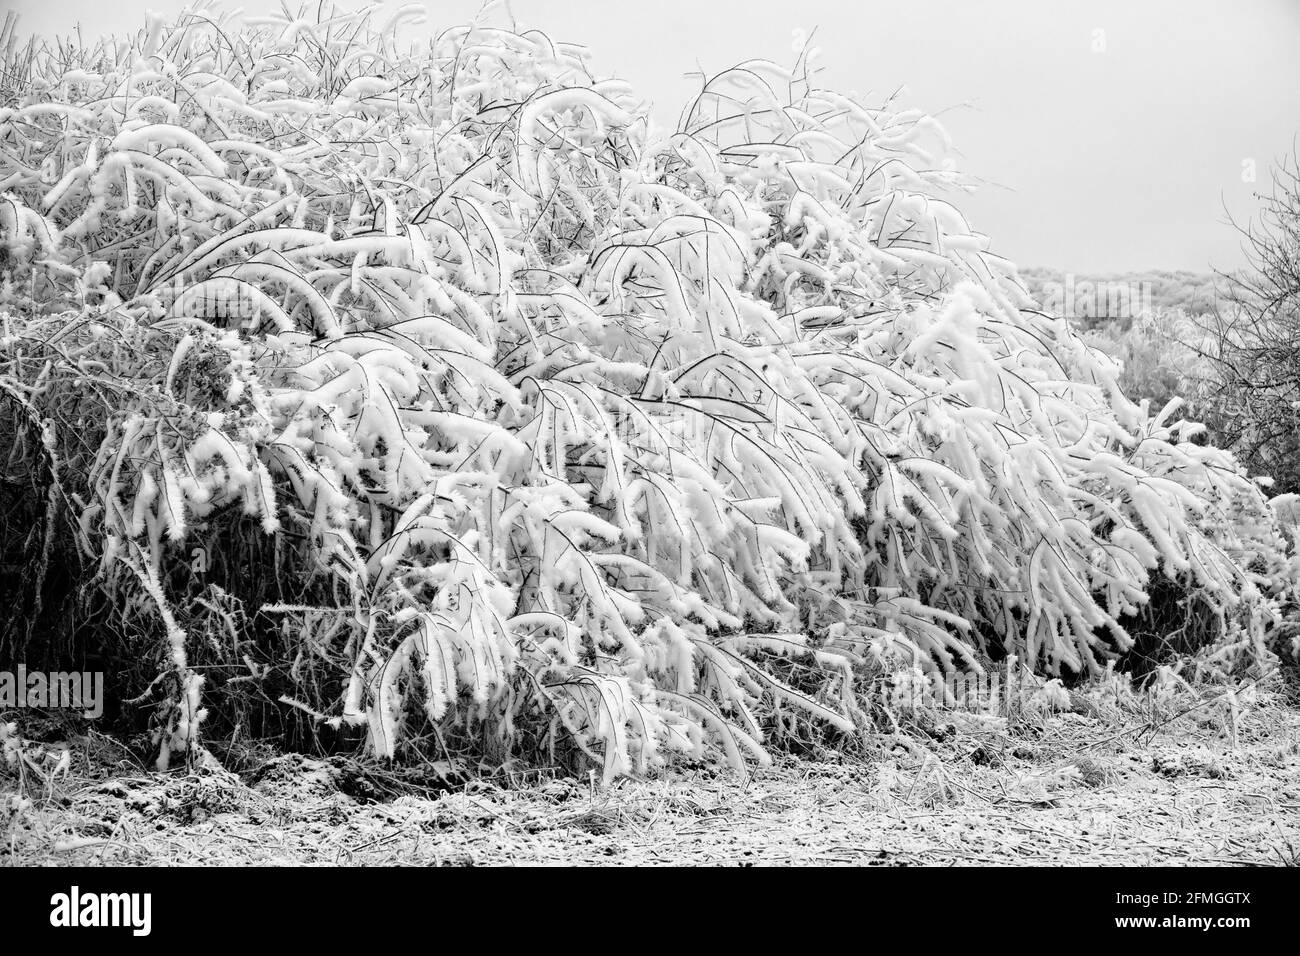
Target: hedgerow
429	389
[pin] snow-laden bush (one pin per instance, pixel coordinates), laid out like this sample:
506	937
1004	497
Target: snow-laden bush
436	379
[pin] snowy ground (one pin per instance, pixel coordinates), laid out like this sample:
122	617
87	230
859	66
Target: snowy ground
1071	789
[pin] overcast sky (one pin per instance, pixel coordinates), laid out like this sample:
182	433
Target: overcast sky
1115	130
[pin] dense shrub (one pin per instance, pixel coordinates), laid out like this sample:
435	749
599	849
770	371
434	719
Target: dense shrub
433	389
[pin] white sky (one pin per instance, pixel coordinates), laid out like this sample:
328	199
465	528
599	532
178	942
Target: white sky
1104	161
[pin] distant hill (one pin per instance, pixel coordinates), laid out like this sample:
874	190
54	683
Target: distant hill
1093	298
